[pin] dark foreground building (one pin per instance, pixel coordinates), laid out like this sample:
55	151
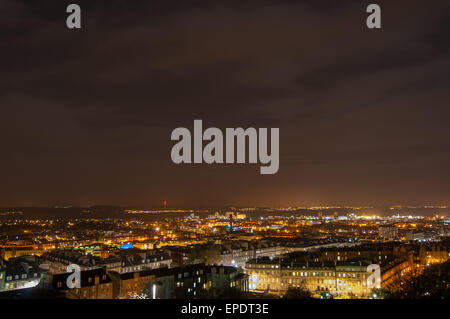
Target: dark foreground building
190	281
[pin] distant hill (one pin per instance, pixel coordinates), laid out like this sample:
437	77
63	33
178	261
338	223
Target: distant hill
62	212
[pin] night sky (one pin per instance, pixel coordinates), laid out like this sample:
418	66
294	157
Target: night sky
86	115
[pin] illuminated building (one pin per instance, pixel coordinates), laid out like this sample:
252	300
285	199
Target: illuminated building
241	216
388	233
13	252
19	273
393	271
127	260
340	279
415	235
130	284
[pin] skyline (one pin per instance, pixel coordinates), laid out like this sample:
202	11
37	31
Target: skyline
312	252
87	114
168	211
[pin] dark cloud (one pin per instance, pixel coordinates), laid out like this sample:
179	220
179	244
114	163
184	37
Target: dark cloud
87	114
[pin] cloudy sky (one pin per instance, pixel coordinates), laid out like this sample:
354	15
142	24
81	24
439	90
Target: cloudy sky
86	115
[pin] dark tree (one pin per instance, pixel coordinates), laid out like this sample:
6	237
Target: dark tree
297	293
